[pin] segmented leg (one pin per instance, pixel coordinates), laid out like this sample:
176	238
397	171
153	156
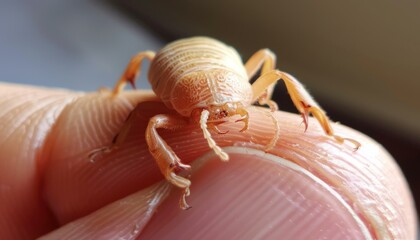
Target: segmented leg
244	118
214	126
167	160
265	60
276	123
301	99
212	144
116	141
132	71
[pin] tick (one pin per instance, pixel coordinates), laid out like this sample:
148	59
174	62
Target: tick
206	82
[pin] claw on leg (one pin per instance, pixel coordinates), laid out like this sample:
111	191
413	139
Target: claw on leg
244	118
276	124
99	151
264	100
274	140
182	201
116	141
305	115
301	99
183	183
178	165
324	121
356	144
214	126
168	162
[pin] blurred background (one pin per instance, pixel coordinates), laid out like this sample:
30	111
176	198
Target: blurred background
359	59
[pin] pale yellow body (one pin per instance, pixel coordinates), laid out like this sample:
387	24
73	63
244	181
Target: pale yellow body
199	72
205	81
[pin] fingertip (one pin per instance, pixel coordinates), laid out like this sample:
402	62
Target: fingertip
234	198
255	195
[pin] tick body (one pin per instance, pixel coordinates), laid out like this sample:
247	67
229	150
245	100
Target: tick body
205	82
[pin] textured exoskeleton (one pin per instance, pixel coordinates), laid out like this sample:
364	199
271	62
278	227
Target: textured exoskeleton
205	81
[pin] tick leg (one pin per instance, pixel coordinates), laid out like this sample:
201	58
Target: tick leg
212	144
301	99
265	60
244	118
167	160
132	71
116	141
214	126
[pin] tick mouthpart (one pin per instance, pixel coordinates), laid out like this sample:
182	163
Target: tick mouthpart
226	110
218	114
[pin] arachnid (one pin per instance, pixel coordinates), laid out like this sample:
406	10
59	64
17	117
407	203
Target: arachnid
205	81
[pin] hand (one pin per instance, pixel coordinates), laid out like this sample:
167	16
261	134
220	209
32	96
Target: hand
307	187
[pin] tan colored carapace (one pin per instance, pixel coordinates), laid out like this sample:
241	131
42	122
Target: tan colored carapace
205	81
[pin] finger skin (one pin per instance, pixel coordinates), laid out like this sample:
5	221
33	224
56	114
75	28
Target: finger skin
238	200
76	186
26	116
122	219
256	196
72	187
